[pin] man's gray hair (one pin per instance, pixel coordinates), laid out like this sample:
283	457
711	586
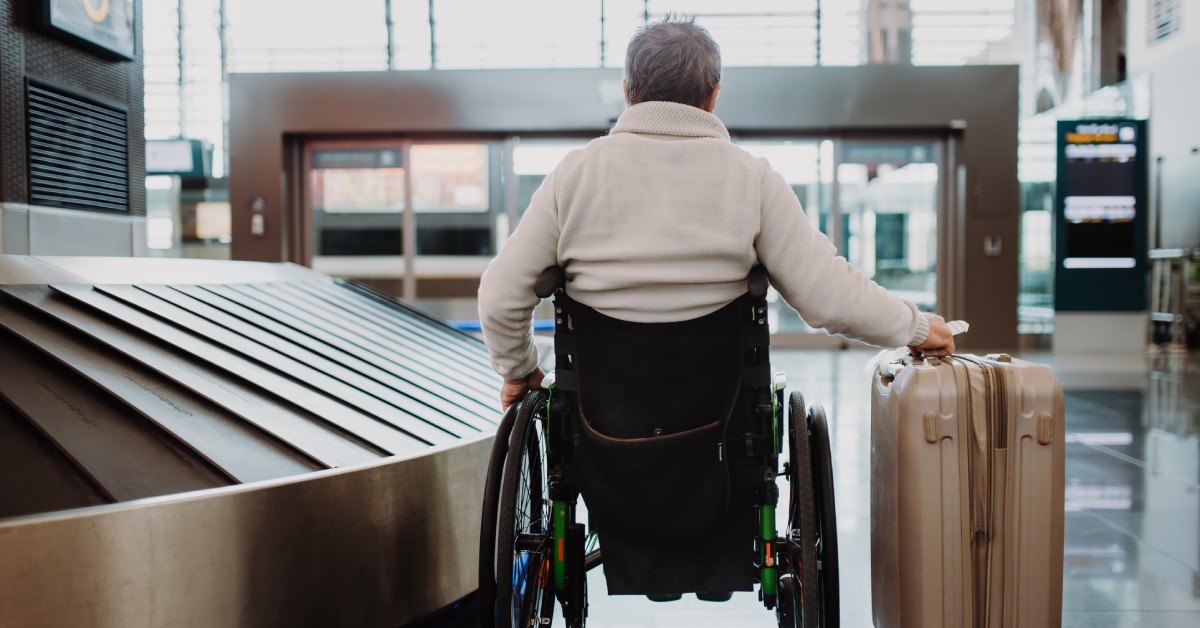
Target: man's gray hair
674	60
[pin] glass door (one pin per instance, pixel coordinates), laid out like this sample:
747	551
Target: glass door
799	161
880	201
396	212
402	213
888	193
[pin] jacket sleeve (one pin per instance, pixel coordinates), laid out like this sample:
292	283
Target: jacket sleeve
826	290
506	297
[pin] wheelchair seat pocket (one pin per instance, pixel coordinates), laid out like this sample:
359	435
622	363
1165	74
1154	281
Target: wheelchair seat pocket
666	488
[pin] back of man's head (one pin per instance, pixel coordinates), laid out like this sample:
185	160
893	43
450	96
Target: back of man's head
673	60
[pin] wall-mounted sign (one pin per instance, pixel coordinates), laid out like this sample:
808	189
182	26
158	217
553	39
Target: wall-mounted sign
1165	19
189	159
106	25
355	158
1101	222
888	153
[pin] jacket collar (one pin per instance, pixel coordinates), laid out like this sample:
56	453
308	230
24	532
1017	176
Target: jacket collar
669	118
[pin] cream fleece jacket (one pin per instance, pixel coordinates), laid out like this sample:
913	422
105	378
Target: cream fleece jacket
661	221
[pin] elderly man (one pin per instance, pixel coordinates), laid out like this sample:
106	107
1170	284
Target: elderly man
662	219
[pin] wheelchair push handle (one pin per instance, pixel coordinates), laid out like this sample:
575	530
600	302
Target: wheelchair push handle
549	281
757	282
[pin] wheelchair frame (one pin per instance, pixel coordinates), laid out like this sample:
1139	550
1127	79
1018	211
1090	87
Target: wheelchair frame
787	567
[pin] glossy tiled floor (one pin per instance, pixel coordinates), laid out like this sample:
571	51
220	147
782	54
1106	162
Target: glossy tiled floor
1133	501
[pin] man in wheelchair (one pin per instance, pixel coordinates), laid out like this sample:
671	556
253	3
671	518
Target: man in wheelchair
663	413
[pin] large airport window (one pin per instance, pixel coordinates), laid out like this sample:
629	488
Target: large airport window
756	32
162	71
516	34
958	32
192	47
286	36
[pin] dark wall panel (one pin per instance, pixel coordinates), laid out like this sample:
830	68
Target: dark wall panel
27	53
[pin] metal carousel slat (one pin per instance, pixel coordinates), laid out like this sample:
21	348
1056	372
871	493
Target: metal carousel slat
127	457
241	451
341	347
411	313
394	347
454	342
474	379
330	350
470	365
368	390
27	459
301	372
371	429
294	426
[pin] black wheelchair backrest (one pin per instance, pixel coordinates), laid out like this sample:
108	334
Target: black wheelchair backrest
638	380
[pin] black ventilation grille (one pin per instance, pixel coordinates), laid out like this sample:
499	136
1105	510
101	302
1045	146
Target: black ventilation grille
78	152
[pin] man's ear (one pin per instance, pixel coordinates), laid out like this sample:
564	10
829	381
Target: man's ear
711	103
625	89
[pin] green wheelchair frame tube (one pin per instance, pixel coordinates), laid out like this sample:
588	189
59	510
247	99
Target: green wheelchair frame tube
766	518
562	517
766	555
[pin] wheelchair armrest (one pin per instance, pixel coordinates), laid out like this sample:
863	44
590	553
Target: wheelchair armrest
550	280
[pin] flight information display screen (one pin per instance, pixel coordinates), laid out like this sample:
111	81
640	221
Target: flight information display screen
1100	196
1101	224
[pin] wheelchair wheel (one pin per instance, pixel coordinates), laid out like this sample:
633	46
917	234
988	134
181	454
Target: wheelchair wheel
826	517
802	531
788	608
487	526
524	584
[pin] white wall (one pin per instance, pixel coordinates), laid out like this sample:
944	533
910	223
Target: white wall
32	230
1174	69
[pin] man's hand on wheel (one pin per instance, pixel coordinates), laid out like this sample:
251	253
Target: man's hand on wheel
513	389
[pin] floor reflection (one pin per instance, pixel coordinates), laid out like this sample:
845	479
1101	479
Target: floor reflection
1132	543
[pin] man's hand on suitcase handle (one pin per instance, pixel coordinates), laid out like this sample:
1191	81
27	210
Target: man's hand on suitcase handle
889	361
940	341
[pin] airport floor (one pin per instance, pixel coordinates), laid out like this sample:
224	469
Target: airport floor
1132	499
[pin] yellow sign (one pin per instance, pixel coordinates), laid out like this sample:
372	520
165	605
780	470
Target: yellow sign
97	14
1091	138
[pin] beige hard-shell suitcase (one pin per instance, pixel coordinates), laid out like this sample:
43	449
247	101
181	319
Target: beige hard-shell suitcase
966	493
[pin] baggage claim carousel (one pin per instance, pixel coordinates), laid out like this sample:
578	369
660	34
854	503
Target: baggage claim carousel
195	443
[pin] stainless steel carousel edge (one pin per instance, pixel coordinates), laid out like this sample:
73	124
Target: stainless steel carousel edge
381	544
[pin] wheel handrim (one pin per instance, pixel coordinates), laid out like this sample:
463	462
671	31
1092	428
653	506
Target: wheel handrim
522	542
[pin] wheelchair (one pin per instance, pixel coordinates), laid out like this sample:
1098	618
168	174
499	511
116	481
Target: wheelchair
674	504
